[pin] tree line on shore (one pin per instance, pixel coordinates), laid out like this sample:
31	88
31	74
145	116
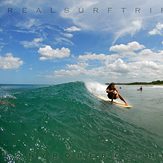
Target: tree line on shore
157	82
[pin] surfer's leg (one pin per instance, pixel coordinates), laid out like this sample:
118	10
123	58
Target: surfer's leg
114	96
111	96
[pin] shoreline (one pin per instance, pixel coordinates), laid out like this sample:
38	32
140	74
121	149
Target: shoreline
157	82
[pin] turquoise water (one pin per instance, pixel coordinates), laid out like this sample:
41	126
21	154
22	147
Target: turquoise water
66	124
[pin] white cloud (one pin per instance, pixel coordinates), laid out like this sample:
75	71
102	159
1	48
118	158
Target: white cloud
36	42
92	56
10	62
79	70
130	62
30	4
68	35
48	53
147	55
146	52
77	66
134	27
116	22
80	20
10	2
63	41
132	58
132	46
28	23
149	65
119	66
158	30
63	73
72	29
72	70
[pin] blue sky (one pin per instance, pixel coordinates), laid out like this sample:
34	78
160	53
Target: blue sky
68	46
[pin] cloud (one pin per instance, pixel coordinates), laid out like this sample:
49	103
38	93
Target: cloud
72	70
10	62
147	55
92	56
149	65
79	70
158	30
36	42
132	46
29	23
63	41
77	66
30	4
130	62
116	22
48	53
80	20
72	29
68	35
131	59
10	2
133	27
119	66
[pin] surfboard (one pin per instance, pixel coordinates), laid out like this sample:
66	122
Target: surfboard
114	102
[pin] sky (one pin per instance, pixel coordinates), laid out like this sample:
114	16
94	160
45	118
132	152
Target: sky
54	41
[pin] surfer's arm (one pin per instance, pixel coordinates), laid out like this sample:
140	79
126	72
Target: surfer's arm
119	95
122	99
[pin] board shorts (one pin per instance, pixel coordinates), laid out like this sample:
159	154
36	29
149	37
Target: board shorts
112	95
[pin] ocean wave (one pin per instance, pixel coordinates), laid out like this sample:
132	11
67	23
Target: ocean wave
66	123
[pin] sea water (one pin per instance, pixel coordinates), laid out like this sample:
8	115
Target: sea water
66	123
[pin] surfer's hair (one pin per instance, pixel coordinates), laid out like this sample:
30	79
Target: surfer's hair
111	84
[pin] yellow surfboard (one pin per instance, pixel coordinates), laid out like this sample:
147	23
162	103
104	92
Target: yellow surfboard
114	102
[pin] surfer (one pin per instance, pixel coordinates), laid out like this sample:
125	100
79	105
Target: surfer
140	89
113	93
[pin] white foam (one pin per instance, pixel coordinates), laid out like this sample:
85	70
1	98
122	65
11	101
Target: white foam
157	86
9	96
96	88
